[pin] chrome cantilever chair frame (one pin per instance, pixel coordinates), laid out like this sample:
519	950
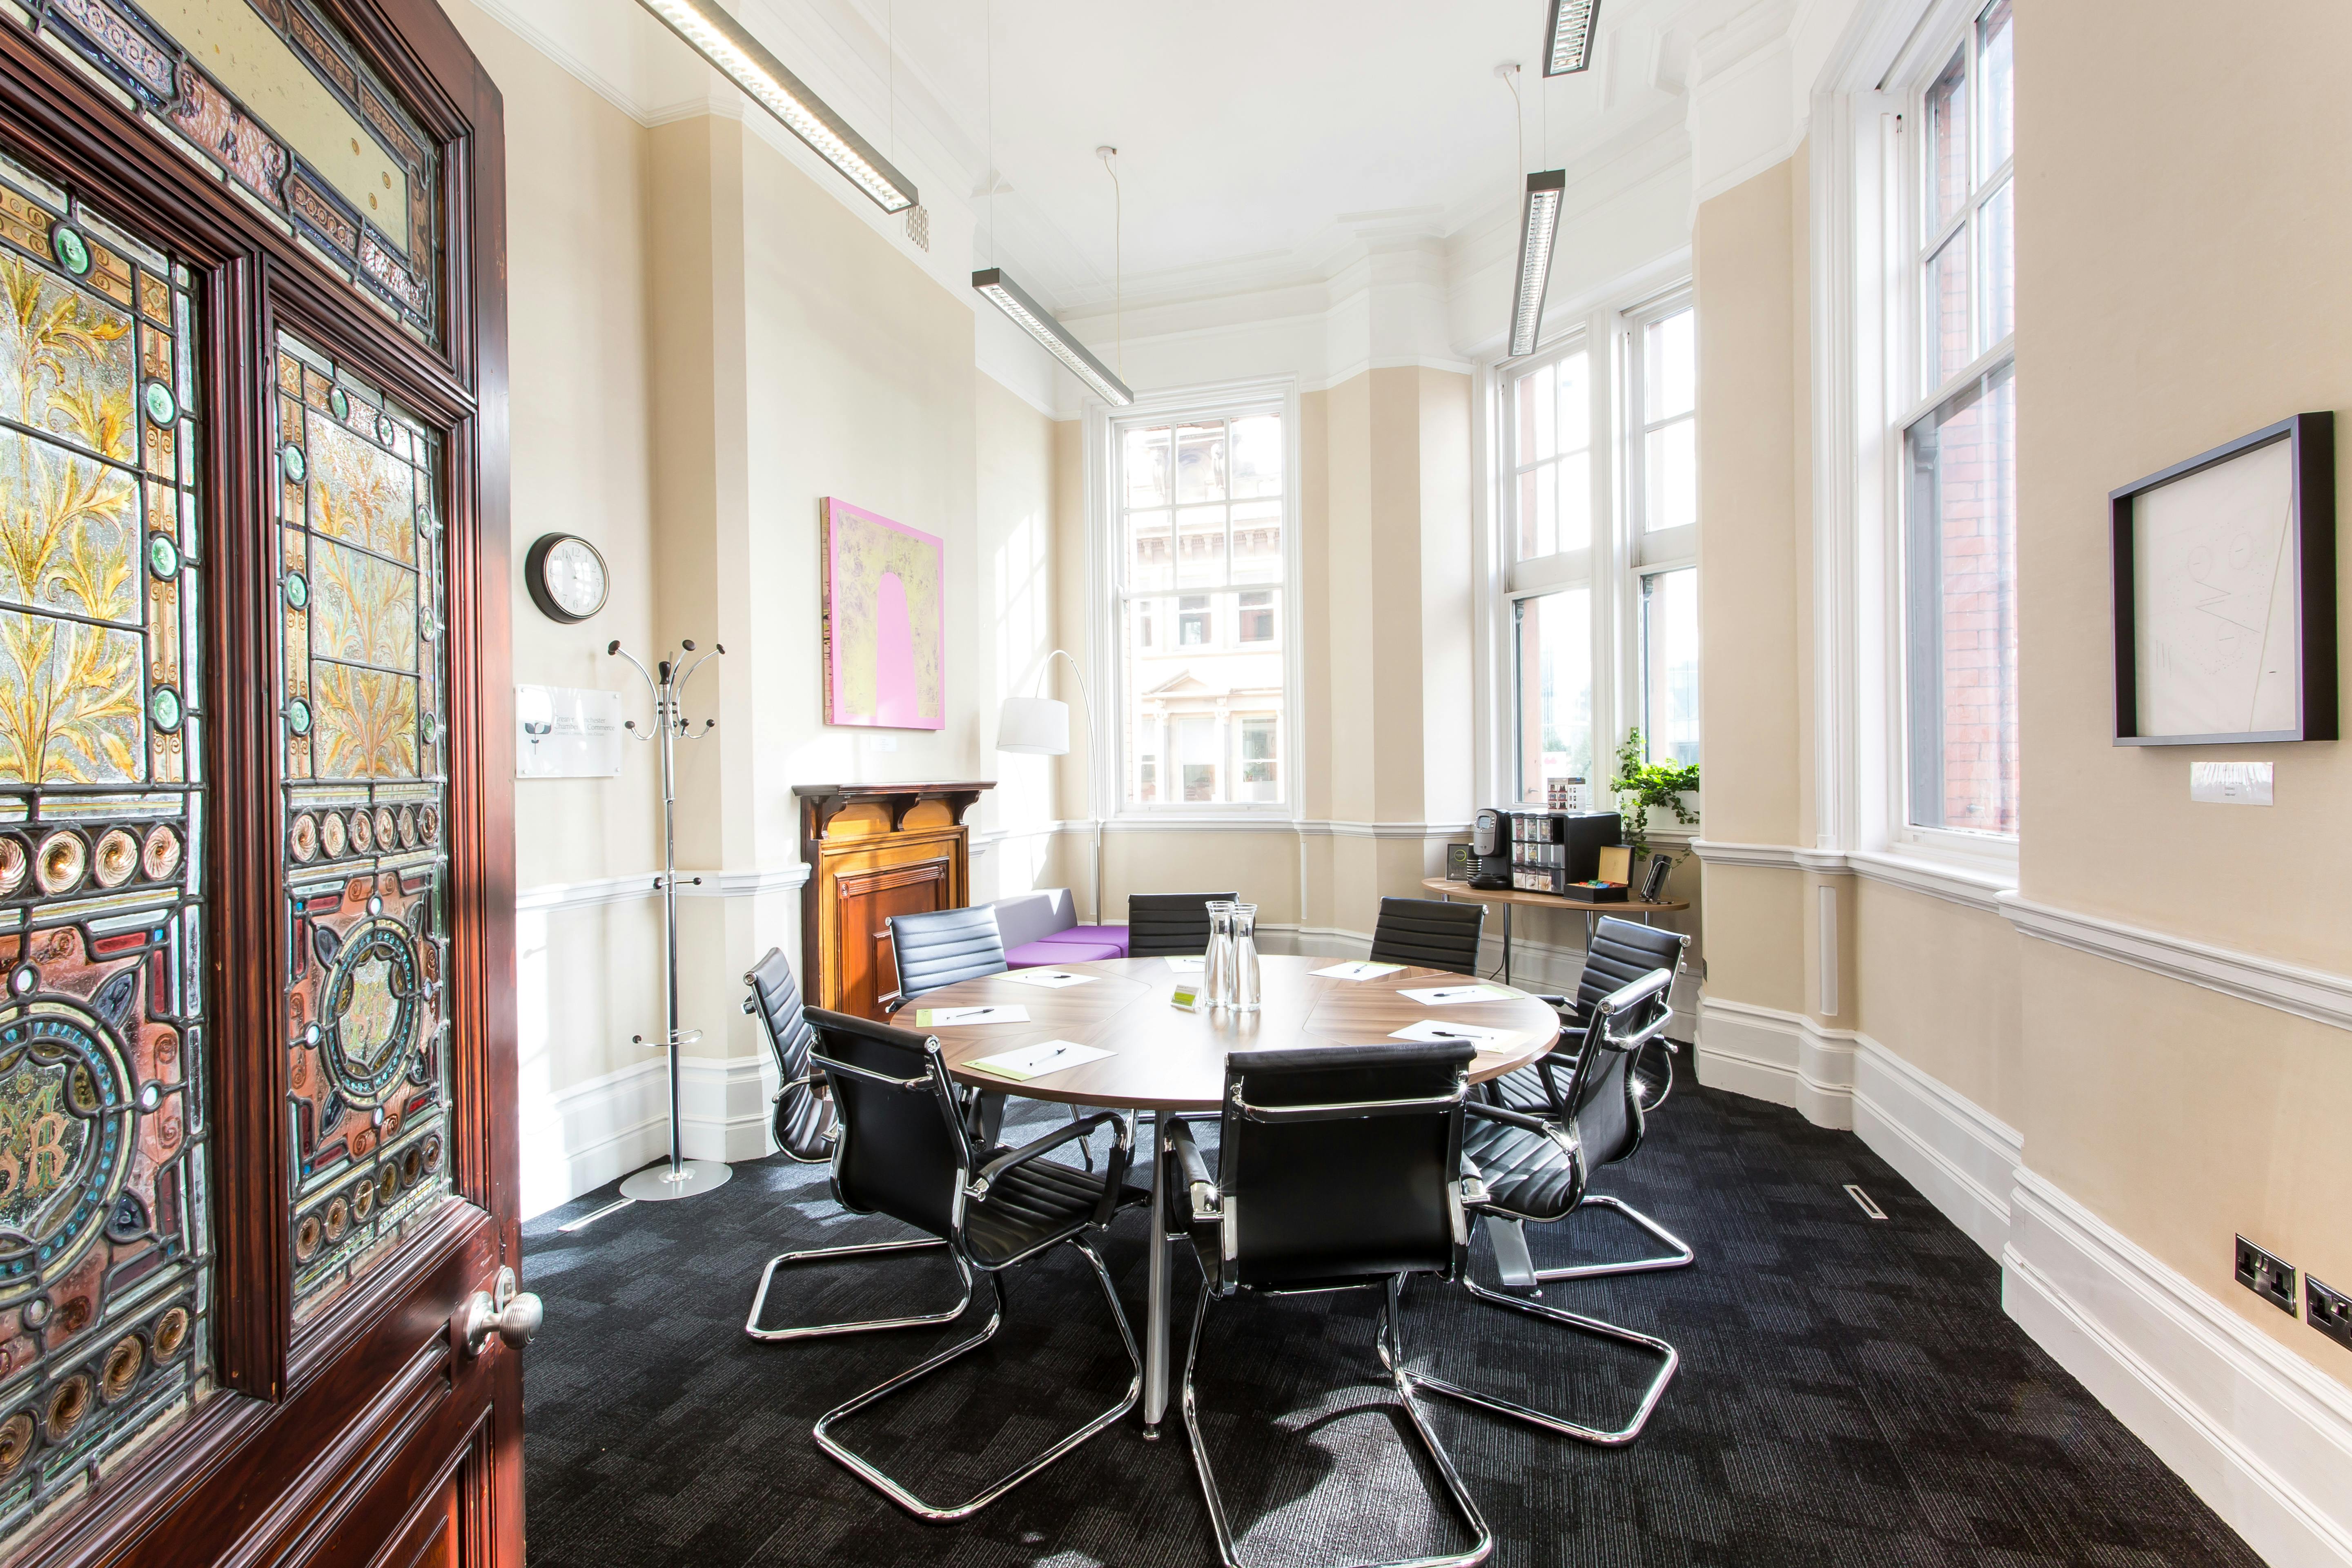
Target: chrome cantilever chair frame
1209	1205
1603	1035
970	1187
1681	1256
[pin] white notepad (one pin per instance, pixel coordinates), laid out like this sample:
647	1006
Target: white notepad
949	1017
1360	969
1036	1061
1430	1030
1052	979
1192	966
1447	996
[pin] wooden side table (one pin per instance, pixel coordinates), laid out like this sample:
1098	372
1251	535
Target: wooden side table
1510	898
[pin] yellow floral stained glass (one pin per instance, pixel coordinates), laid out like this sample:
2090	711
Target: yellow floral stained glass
363	608
366	722
66	361
106	1257
361	492
360	590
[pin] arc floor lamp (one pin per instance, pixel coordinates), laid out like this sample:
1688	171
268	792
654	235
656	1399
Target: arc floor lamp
1040	726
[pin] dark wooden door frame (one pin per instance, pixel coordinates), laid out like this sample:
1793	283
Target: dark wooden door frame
326	1443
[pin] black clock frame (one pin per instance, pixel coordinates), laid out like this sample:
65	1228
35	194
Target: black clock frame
534	572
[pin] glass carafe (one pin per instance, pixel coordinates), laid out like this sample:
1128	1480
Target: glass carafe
1242	963
1217	971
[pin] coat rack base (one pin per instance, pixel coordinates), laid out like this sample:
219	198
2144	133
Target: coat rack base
654	1185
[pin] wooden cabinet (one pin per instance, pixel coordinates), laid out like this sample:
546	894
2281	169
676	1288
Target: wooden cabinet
874	851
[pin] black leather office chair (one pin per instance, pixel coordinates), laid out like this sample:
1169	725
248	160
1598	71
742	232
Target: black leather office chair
1429	934
904	1152
1520	1169
938	948
941	947
1622	953
1169	925
803	1117
1338	1168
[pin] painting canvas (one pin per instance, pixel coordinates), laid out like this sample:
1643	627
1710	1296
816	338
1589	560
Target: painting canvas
884	622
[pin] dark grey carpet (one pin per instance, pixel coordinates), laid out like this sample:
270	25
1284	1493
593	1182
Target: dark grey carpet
1849	1393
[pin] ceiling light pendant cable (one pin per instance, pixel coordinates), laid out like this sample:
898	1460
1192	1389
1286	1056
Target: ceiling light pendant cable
1117	256
996	286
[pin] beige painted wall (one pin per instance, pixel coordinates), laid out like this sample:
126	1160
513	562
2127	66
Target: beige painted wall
2142	220
2180	1116
1746	267
706	342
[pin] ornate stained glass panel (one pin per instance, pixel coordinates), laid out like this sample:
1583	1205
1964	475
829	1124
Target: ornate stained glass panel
361	596
270	97
105	1253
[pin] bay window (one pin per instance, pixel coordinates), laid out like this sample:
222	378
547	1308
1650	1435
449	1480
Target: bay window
1598	443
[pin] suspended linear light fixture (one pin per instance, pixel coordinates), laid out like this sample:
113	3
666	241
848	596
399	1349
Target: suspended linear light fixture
1539	224
1038	323
744	60
1568	47
1009	297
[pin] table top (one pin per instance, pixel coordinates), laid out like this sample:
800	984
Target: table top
1165	1058
1464	891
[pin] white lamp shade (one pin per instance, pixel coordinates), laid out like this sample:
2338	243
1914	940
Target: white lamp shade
1037	724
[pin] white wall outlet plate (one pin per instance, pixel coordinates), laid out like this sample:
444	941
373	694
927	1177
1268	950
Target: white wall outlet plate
2230	784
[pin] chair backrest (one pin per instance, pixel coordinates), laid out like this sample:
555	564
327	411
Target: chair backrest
1032	917
901	1149
1428	933
1337	1164
941	947
1621	952
1602	1098
801	1120
1169	925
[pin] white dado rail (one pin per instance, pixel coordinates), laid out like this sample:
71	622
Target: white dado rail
2318	994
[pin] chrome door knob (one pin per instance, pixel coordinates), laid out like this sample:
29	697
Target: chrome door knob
513	1315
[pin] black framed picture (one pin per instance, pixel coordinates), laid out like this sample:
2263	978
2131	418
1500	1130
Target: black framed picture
2225	593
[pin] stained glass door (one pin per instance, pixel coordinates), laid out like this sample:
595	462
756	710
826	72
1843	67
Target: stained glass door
258	1162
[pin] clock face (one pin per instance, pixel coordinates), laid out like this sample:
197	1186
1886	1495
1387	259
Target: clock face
567	577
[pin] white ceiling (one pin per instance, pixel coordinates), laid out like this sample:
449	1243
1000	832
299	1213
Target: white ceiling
1262	142
1257	138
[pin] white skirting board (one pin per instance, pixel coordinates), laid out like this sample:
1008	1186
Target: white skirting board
600	1131
2262	1435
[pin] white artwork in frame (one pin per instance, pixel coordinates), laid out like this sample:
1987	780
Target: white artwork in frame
2224	587
2214	569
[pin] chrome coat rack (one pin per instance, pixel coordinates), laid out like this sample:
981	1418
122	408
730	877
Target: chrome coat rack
680	1177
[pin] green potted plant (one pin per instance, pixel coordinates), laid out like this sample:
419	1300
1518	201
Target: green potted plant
1641	785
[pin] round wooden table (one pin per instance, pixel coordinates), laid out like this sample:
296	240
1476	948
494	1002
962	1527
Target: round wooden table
1164	1058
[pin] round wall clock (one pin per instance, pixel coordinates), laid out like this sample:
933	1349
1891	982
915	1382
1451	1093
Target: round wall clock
566	577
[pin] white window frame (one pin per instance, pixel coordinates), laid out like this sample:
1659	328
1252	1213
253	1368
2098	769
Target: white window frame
1619	557
1648	552
1866	308
1911	242
1105	646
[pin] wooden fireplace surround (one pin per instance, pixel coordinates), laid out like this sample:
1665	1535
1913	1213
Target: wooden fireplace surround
875	850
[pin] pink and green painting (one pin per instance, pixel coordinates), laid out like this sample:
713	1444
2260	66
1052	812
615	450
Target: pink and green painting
884	622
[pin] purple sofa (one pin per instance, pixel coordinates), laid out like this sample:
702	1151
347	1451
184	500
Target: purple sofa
1042	928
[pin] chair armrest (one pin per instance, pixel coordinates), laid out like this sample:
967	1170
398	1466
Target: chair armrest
1200	1186
1114	1168
1508	1117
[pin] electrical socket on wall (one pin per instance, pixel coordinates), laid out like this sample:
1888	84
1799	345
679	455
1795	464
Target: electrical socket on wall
2329	1310
2266	1274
